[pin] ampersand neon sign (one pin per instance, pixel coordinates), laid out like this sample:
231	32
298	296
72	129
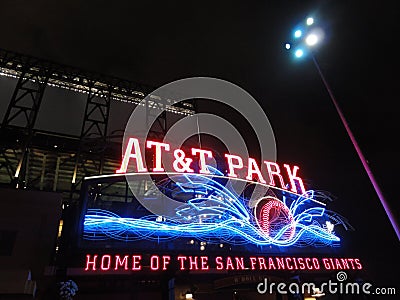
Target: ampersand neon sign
183	163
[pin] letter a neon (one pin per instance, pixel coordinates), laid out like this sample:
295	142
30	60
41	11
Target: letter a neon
137	155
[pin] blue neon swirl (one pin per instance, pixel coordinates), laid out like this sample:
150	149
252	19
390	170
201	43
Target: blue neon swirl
218	215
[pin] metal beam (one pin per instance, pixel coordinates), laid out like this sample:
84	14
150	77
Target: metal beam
93	133
23	109
13	64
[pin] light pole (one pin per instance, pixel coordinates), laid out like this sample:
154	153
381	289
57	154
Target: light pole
305	38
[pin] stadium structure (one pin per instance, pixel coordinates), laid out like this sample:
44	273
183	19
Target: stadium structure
71	228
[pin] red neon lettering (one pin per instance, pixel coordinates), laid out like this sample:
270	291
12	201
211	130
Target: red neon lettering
166	260
229	263
154	262
295	263
232	166
332	264
136	155
309	267
293	179
105	265
218	261
158	167
315	263
280	262
325	261
253	261
119	262
288	259
204	262
182	260
239	263
301	263
275	172
193	263
182	164
351	262
136	262
338	265
92	263
271	264
253	169
203	153
358	264
261	263
345	263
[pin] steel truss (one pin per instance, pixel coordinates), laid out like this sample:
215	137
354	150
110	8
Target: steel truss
28	161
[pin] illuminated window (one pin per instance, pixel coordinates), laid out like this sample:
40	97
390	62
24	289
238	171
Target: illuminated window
60	226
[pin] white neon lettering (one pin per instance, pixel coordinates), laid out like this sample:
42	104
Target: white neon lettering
254	170
128	155
234	163
158	145
181	163
202	156
294	178
275	172
232	166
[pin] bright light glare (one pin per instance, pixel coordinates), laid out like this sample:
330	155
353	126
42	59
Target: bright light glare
287	46
329	226
311	39
297	33
310	21
299	53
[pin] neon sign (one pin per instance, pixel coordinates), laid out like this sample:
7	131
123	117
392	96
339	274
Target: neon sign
183	164
213	212
135	262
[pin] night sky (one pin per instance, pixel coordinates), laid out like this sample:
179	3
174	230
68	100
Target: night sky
155	43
